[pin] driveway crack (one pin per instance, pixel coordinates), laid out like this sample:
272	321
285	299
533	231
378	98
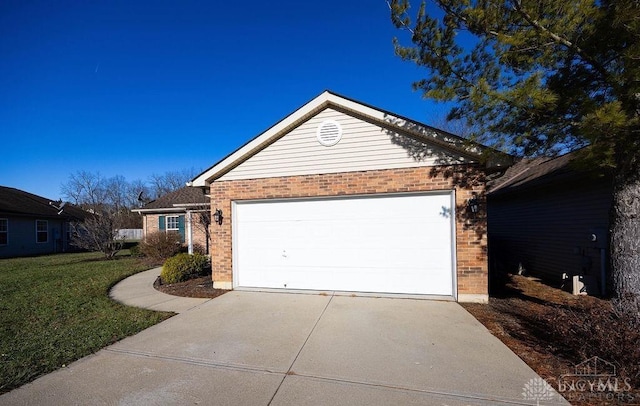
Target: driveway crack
289	371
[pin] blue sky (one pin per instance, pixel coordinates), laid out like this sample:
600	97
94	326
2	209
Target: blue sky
135	88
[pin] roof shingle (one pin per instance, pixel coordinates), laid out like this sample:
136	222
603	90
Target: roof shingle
185	195
18	202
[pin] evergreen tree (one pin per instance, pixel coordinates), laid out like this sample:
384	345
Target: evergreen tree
543	76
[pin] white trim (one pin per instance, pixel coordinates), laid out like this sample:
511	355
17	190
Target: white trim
454	246
166	223
443	192
5	231
46	222
264	139
160	210
234	243
189	233
312	108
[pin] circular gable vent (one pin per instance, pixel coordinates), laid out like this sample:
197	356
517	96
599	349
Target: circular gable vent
329	133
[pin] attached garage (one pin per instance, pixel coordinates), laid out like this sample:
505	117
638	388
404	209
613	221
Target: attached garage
341	196
346	244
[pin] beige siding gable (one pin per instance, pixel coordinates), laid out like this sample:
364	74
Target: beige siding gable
364	146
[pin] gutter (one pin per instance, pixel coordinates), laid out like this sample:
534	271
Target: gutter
205	204
159	210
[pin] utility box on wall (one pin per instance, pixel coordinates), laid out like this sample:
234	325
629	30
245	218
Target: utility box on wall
585	285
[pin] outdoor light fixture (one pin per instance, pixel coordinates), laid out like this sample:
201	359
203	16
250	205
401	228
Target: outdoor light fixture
217	217
473	205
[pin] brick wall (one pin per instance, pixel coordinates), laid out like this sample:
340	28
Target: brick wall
150	225
471	250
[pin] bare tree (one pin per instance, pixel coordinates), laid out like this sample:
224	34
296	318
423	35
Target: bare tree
110	201
105	200
170	181
98	232
85	189
202	222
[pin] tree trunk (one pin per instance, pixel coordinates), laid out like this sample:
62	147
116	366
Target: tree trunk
625	240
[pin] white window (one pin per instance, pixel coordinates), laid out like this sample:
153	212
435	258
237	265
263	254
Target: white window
4	231
173	223
42	231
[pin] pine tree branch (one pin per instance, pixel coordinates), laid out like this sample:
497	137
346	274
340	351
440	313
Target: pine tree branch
465	20
517	6
405	25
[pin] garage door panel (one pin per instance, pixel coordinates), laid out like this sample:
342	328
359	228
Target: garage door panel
343	279
386	258
397	244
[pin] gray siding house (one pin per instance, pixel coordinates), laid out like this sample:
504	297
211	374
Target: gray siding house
30	225
551	219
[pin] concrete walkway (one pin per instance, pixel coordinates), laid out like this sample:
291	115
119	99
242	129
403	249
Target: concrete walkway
138	291
259	348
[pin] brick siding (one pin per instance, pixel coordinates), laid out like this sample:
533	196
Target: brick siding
471	250
150	225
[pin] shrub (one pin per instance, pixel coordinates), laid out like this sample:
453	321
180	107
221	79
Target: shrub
160	245
199	249
182	266
134	250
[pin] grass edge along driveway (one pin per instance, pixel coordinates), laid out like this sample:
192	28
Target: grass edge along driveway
56	309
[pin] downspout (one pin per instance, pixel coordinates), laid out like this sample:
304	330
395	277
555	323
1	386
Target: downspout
190	232
603	271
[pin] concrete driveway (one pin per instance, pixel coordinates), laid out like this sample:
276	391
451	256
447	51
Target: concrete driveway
258	348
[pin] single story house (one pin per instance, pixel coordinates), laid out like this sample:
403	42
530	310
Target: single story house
343	196
184	211
551	219
34	225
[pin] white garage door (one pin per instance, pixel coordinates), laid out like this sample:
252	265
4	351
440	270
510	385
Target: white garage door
391	243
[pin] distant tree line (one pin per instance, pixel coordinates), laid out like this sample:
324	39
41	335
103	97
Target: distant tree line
109	201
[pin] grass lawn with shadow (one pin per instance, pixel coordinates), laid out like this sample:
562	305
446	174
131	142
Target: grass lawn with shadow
56	309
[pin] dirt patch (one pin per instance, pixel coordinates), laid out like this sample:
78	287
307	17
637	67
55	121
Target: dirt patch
553	331
200	287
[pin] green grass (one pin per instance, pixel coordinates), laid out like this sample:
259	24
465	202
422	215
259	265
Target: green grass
55	309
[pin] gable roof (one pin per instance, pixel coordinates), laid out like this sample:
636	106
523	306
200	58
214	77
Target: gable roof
176	201
20	203
351	107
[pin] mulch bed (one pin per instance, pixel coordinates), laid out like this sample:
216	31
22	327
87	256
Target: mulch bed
552	331
200	287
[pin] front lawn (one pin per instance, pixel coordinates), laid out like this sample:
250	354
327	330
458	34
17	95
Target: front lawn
56	309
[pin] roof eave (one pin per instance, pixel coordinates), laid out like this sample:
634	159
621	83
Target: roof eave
328	99
159	210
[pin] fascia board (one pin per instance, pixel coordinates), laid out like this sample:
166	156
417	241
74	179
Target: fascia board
260	141
327	99
160	210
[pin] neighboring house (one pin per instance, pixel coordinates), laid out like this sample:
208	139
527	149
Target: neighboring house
342	196
34	225
185	211
551	219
